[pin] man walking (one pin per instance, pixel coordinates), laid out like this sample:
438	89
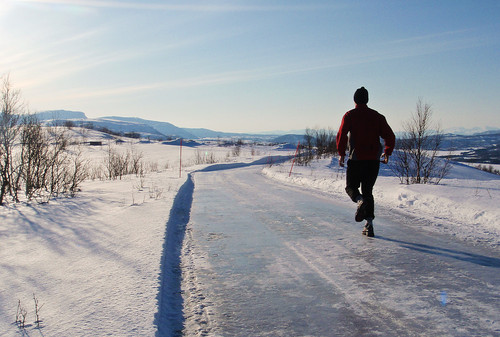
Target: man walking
360	133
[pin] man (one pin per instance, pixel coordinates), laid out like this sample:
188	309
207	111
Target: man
360	133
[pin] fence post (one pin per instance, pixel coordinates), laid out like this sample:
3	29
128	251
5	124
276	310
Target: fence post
180	160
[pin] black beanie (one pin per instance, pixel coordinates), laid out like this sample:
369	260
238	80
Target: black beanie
361	96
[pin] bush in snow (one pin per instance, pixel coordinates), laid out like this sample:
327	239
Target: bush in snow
415	159
34	159
12	108
319	143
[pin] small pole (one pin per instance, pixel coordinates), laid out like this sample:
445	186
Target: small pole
293	161
180	160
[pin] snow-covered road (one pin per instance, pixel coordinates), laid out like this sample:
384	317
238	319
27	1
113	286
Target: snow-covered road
264	259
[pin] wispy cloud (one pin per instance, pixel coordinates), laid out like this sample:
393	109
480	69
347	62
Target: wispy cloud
182	83
430	44
428	37
222	78
197	7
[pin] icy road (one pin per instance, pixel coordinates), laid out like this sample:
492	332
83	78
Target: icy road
263	259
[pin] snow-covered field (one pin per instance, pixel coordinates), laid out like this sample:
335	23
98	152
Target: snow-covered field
94	261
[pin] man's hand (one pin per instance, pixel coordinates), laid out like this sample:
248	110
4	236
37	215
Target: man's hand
341	161
384	159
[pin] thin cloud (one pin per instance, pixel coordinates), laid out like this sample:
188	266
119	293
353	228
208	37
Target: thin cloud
238	76
211	79
433	44
430	36
200	7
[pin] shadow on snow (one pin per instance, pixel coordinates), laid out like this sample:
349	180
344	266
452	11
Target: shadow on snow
170	319
454	254
263	161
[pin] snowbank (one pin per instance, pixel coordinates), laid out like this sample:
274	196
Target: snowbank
464	204
92	261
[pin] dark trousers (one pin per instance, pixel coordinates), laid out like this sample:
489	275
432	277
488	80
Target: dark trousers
362	173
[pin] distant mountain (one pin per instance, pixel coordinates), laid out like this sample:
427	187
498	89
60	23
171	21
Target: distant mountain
167	129
150	128
480	140
290	139
478	148
59	115
206	133
471	131
125	127
283	133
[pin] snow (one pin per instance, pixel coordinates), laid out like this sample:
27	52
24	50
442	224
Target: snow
464	204
95	261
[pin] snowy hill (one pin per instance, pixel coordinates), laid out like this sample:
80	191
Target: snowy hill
60	115
471	131
207	133
164	128
146	128
291	139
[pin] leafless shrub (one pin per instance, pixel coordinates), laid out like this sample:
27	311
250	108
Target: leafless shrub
236	150
319	143
33	158
155	192
78	172
325	143
11	110
37	311
204	157
416	160
487	168
136	163
21	315
57	172
116	163
96	173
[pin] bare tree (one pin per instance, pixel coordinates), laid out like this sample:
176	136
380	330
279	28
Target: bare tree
317	142
33	156
306	149
78	172
11	110
417	161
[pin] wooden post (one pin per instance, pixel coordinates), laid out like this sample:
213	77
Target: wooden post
180	160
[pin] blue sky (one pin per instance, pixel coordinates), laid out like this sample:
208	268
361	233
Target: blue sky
251	66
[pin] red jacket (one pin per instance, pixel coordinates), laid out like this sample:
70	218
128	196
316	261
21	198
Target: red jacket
365	126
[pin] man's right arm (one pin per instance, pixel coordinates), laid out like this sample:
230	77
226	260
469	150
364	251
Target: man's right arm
342	138
389	138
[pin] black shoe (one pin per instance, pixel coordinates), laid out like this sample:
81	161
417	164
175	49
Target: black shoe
360	212
368	230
